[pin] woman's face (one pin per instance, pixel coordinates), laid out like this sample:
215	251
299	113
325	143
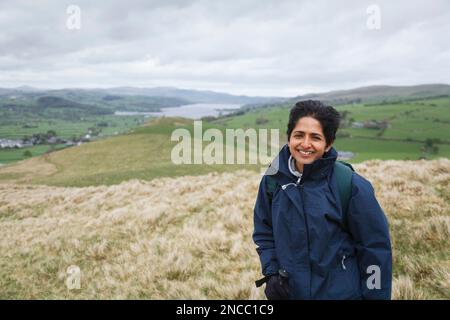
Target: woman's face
307	142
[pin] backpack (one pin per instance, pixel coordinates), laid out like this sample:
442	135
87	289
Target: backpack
343	173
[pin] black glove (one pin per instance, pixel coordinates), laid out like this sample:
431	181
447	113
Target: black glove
277	287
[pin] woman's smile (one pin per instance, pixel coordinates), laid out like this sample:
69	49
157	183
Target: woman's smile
305	154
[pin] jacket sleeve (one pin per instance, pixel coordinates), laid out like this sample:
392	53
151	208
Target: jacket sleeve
369	227
263	232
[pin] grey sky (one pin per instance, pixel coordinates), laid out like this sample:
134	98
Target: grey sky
251	47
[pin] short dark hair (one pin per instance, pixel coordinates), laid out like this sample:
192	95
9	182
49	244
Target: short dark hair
328	117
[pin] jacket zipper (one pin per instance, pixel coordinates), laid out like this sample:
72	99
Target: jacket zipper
307	236
284	186
299	180
301	185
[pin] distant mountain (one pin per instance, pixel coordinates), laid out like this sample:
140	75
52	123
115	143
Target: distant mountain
379	93
90	97
27	89
118	102
179	96
7	91
47	107
18	90
143	99
152	99
51	102
195	96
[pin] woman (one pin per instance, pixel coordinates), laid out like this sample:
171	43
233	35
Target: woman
309	246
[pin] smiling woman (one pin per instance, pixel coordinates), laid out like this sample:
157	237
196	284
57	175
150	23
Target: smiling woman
319	230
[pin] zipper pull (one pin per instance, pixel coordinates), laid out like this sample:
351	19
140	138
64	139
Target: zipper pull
342	262
284	186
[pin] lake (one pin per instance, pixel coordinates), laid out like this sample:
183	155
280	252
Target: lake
191	111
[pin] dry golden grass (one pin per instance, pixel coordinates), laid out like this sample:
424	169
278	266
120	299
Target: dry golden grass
26	170
190	237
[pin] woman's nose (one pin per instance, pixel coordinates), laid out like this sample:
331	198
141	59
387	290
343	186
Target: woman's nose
306	143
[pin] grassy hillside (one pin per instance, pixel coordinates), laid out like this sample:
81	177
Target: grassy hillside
416	130
13	155
410	125
144	154
190	237
108	125
69	113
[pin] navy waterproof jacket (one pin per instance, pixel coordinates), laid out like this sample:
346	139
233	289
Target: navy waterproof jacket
300	228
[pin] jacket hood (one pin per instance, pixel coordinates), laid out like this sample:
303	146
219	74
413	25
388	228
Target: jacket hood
318	169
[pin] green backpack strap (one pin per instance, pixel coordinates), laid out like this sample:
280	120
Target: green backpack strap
271	185
343	174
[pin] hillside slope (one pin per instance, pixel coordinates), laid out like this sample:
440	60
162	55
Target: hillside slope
143	154
190	237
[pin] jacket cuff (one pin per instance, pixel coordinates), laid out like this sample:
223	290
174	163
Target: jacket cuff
271	269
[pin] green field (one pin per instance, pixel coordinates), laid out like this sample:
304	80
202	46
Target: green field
410	125
145	151
68	129
116	125
386	150
144	154
12	155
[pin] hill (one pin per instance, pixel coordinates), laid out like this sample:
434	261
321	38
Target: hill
195	96
380	93
129	98
144	153
416	117
190	237
413	130
398	130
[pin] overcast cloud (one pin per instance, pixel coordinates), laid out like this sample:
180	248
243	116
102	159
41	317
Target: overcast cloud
282	48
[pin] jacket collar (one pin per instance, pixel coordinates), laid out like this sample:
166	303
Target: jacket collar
317	170
292	168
